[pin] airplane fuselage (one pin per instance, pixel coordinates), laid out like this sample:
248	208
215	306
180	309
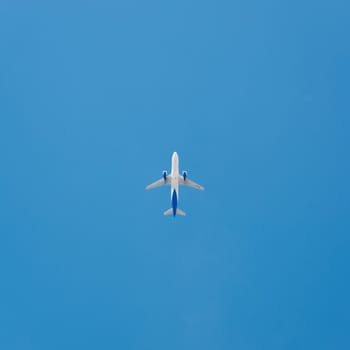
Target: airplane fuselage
174	191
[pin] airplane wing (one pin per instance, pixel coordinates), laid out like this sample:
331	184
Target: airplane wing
160	182
189	183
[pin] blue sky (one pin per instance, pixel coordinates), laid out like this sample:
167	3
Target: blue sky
95	97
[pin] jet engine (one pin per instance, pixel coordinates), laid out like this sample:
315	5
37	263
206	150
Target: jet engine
184	174
165	174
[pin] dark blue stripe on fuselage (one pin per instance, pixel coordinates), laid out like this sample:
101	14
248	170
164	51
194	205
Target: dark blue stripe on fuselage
174	202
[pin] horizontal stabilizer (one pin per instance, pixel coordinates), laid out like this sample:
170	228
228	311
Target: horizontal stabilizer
178	212
169	212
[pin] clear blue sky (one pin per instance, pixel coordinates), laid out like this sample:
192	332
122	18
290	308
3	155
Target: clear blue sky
94	98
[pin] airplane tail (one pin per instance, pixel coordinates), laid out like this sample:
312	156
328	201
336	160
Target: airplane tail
178	212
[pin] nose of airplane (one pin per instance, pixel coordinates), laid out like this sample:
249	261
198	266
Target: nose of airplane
175	156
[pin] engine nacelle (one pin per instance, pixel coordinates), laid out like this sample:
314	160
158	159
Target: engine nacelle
184	174
165	174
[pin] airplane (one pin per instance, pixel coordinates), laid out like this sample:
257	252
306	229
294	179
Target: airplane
174	179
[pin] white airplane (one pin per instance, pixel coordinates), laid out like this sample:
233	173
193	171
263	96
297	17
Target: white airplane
174	179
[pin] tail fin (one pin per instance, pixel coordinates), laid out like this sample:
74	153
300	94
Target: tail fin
178	212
